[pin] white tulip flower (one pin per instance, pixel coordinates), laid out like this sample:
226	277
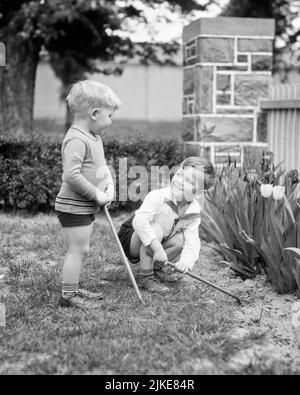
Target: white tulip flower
266	190
278	193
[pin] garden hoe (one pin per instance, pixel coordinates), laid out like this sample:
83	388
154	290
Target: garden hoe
123	254
208	283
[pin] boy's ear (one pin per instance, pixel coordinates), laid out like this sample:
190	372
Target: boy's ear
94	113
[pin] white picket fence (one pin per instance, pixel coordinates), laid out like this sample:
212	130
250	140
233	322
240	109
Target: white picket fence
283	107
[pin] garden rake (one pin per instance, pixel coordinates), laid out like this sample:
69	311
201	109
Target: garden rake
208	283
126	263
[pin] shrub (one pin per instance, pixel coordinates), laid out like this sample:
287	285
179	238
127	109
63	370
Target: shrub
31	168
254	232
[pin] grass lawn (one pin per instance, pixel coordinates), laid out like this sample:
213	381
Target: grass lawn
182	333
120	129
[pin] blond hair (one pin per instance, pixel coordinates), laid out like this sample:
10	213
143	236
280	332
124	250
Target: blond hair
89	94
202	163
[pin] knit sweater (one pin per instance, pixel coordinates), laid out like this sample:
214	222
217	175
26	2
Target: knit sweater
84	172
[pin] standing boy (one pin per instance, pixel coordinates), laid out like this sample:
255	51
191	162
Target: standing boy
86	182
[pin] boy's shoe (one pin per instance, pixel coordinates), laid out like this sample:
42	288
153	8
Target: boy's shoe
78	303
85	294
166	275
151	284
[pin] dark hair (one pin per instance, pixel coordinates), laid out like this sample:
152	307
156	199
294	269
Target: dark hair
206	165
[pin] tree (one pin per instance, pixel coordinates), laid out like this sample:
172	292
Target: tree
75	34
283	11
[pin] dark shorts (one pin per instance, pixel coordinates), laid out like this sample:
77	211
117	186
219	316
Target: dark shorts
73	220
125	236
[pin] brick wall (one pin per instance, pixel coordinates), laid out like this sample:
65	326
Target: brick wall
227	70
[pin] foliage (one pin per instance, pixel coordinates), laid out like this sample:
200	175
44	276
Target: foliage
283	11
31	168
75	36
252	231
77	33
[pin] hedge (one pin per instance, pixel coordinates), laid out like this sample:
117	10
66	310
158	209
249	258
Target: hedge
31	168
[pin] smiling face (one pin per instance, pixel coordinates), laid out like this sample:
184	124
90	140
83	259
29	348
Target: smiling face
187	183
101	119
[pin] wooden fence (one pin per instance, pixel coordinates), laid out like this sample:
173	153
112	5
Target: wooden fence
283	107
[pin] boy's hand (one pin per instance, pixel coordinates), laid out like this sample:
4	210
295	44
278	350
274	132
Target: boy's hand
182	267
160	256
101	198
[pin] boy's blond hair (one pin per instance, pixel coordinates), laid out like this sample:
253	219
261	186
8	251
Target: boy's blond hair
206	166
88	94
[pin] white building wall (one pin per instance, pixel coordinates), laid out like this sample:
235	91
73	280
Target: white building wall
47	94
148	93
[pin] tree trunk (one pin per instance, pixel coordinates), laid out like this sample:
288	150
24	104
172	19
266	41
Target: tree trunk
17	84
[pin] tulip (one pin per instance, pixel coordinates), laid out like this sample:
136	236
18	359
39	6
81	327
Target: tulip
269	157
294	177
266	190
251	176
278	193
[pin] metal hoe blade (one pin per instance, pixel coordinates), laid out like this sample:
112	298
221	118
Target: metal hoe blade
209	284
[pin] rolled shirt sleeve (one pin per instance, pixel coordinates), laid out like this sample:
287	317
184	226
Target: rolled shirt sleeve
74	154
192	244
145	215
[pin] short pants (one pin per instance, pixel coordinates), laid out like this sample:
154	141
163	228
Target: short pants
125	236
73	220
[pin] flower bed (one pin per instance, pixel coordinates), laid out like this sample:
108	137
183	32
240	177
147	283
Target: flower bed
254	217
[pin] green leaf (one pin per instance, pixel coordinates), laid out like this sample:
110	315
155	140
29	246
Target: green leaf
242	272
219	234
278	230
289	209
296	269
295	251
271	260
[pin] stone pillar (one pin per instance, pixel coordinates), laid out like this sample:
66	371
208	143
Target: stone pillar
227	71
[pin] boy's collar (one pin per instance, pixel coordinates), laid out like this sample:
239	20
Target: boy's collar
171	201
88	134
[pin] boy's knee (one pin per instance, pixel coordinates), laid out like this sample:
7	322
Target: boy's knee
86	250
178	240
82	250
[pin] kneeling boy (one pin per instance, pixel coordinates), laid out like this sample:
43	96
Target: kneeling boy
167	225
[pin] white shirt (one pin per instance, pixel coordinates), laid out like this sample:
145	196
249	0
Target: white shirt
155	210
